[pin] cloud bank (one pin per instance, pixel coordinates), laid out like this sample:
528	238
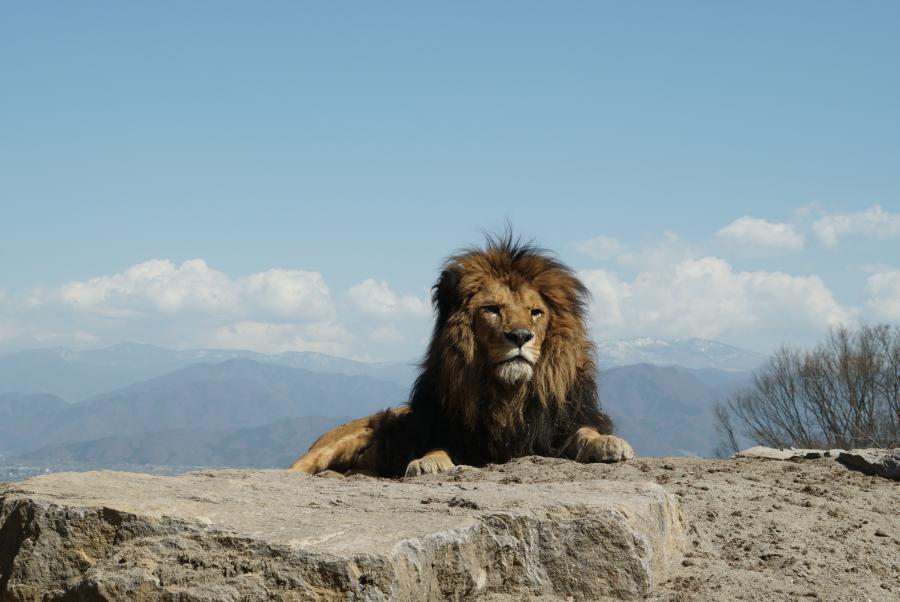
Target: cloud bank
883	302
874	223
194	305
670	288
707	297
760	233
160	287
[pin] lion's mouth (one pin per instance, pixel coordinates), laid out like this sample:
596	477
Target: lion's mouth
514	370
517	359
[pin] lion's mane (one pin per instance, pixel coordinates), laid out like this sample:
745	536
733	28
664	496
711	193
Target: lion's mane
458	406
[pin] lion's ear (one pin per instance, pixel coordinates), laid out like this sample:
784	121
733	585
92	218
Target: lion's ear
445	293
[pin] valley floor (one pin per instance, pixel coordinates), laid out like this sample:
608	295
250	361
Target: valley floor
19	472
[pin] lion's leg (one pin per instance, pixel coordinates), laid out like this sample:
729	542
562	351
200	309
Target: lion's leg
435	461
350	446
587	445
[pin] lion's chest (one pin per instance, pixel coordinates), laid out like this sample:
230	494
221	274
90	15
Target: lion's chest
496	441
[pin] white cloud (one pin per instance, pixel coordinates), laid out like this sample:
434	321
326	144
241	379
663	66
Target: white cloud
265	337
387	334
750	231
883	303
666	254
288	293
706	297
872	223
187	305
152	287
160	287
607	294
191	305
377	299
8	331
600	247
666	290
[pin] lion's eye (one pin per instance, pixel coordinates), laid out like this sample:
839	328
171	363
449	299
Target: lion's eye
537	312
492	309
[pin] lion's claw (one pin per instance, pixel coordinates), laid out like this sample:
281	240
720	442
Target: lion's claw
606	448
432	463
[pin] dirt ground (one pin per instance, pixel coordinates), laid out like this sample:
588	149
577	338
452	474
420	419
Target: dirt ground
761	529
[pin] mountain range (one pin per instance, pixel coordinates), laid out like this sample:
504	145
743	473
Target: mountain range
230	395
77	375
235	408
273	445
667	410
690	352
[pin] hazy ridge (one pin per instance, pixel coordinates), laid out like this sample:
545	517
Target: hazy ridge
233	408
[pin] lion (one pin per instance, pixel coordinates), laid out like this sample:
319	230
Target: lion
509	372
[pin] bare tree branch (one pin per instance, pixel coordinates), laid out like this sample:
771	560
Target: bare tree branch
844	393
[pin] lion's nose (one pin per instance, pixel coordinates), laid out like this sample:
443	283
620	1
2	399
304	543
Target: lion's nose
519	336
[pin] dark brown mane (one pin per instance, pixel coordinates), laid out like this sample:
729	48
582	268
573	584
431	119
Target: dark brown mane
508	373
454	401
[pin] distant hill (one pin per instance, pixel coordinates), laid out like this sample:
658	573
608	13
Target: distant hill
147	403
234	394
687	352
78	375
24	414
269	446
665	411
241	413
15	405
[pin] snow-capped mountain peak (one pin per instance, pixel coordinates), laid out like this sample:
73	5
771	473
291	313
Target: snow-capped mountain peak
690	352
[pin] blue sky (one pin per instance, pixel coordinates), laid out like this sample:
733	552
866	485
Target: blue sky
319	159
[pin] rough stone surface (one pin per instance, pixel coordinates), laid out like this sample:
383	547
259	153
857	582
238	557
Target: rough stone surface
756	530
875	461
880	462
768	531
260	535
789	453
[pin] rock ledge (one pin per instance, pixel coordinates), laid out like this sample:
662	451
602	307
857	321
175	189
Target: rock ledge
872	461
261	535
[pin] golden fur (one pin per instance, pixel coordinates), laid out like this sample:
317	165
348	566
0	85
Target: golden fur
508	372
471	343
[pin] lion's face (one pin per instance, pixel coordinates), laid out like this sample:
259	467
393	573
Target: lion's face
509	323
509	328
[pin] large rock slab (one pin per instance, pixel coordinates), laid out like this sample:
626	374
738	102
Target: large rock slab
789	453
262	535
880	462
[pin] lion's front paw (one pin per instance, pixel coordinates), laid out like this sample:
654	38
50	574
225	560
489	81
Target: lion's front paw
431	463
606	448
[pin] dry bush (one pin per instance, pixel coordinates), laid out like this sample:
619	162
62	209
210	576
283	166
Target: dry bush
845	393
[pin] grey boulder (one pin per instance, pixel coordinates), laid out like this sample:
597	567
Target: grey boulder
268	534
787	453
879	462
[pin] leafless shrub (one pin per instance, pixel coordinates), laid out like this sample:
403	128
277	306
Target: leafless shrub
726	431
844	393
